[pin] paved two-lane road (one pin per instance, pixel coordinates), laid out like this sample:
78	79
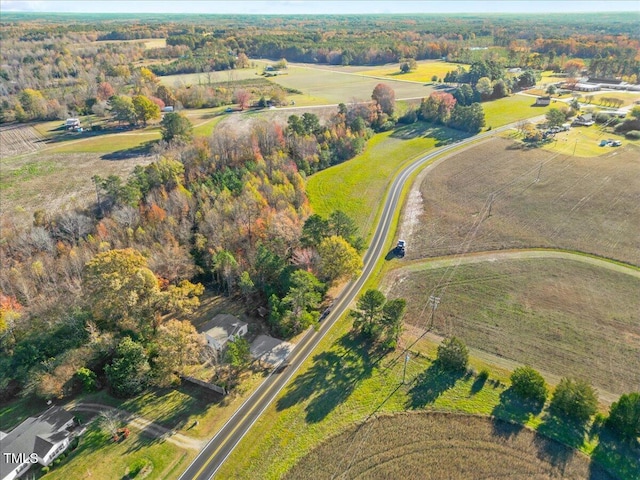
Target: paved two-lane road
206	464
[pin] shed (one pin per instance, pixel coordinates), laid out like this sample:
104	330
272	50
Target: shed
223	328
543	101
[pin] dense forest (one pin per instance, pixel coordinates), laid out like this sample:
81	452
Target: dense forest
51	68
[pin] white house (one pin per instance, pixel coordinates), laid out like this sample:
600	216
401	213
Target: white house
223	328
72	123
36	440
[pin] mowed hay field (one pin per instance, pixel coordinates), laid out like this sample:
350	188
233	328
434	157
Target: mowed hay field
336	87
587	204
563	317
424	71
439	445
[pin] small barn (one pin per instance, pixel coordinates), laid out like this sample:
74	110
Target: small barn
223	328
543	101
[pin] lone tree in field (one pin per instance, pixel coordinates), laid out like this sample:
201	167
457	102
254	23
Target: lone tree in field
574	399
176	126
529	384
453	354
624	417
384	96
145	109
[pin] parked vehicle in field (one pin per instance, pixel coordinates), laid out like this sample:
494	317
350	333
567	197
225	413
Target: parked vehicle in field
401	248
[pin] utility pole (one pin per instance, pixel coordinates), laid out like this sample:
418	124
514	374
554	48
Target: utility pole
404	371
434	304
539	170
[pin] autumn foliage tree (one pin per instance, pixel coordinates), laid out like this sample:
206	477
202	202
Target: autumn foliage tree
385	97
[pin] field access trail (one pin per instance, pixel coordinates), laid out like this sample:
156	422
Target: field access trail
516	254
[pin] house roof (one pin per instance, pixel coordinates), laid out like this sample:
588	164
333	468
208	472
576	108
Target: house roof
35	435
223	326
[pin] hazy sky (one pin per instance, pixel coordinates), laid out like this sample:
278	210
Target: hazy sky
316	7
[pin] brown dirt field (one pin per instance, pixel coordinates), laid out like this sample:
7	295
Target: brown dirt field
562	317
55	182
438	446
585	204
19	139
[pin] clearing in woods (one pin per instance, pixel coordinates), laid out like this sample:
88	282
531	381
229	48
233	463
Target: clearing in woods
487	198
424	445
562	317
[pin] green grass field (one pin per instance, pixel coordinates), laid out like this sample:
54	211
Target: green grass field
510	109
357	186
210	77
107	143
99	458
562	317
423	73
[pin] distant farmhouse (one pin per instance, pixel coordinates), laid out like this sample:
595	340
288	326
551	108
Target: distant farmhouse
72	123
584	120
222	329
36	440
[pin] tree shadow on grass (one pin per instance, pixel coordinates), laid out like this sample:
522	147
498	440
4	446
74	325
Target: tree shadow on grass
442	135
611	455
332	377
139	151
514	408
477	385
430	384
564	431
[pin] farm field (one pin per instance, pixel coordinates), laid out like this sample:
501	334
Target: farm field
587	204
423	73
20	139
207	78
357	186
335	87
560	316
54	181
427	444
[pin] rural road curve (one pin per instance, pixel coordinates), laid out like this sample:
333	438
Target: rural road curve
207	463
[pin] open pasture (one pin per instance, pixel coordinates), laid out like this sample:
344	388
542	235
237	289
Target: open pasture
336	87
424	72
510	109
487	198
426	445
560	316
357	187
